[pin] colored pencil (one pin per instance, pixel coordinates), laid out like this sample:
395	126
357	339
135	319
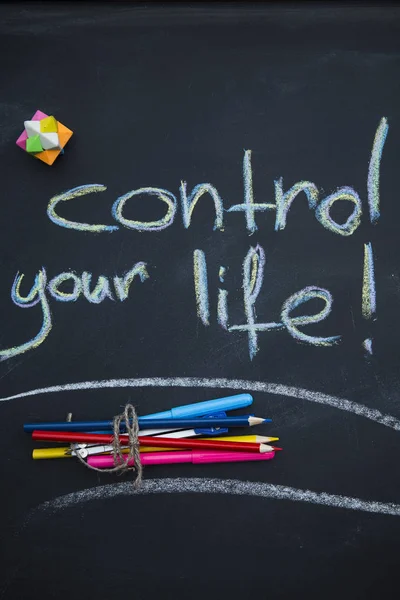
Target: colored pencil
44	453
97	438
237	421
193	456
65	451
199	423
184	433
195	410
256	439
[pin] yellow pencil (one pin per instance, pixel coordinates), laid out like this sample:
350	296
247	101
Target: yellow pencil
65	452
39	453
256	439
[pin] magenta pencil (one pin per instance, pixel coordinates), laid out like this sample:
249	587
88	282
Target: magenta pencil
188	456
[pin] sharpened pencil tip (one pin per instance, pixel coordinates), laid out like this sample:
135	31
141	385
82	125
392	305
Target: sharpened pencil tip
256	421
266	448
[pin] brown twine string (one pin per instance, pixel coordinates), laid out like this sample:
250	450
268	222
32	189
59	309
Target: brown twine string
129	416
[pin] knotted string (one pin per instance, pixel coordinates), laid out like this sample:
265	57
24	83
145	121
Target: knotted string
121	460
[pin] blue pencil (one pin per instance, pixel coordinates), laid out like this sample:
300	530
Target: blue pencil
241	421
197	409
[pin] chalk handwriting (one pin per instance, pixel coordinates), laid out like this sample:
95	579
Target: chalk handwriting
249	207
80	286
201	286
253	277
374	170
167	197
36	295
368	288
188	203
282	202
292	324
122	284
76	193
54	287
70	287
368	296
100	291
323	211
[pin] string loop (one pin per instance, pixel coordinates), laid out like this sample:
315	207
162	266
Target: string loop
121	460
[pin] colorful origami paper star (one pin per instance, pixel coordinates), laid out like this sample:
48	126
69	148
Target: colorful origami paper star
44	137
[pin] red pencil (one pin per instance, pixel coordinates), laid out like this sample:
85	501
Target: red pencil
101	438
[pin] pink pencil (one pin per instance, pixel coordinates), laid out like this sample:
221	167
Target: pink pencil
188	456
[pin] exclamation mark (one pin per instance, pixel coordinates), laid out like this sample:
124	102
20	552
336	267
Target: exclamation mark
368	291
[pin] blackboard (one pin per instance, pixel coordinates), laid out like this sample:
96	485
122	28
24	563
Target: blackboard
250	100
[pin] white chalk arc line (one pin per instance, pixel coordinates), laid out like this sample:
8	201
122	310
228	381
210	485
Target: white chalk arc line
221	383
216	486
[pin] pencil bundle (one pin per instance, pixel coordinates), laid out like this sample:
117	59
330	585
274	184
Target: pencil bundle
198	433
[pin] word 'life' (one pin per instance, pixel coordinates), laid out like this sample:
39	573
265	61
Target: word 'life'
253	277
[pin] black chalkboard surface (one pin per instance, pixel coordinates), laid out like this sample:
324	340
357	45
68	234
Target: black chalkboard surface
238	166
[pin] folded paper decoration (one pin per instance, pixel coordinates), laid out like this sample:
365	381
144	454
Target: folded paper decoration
44	137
